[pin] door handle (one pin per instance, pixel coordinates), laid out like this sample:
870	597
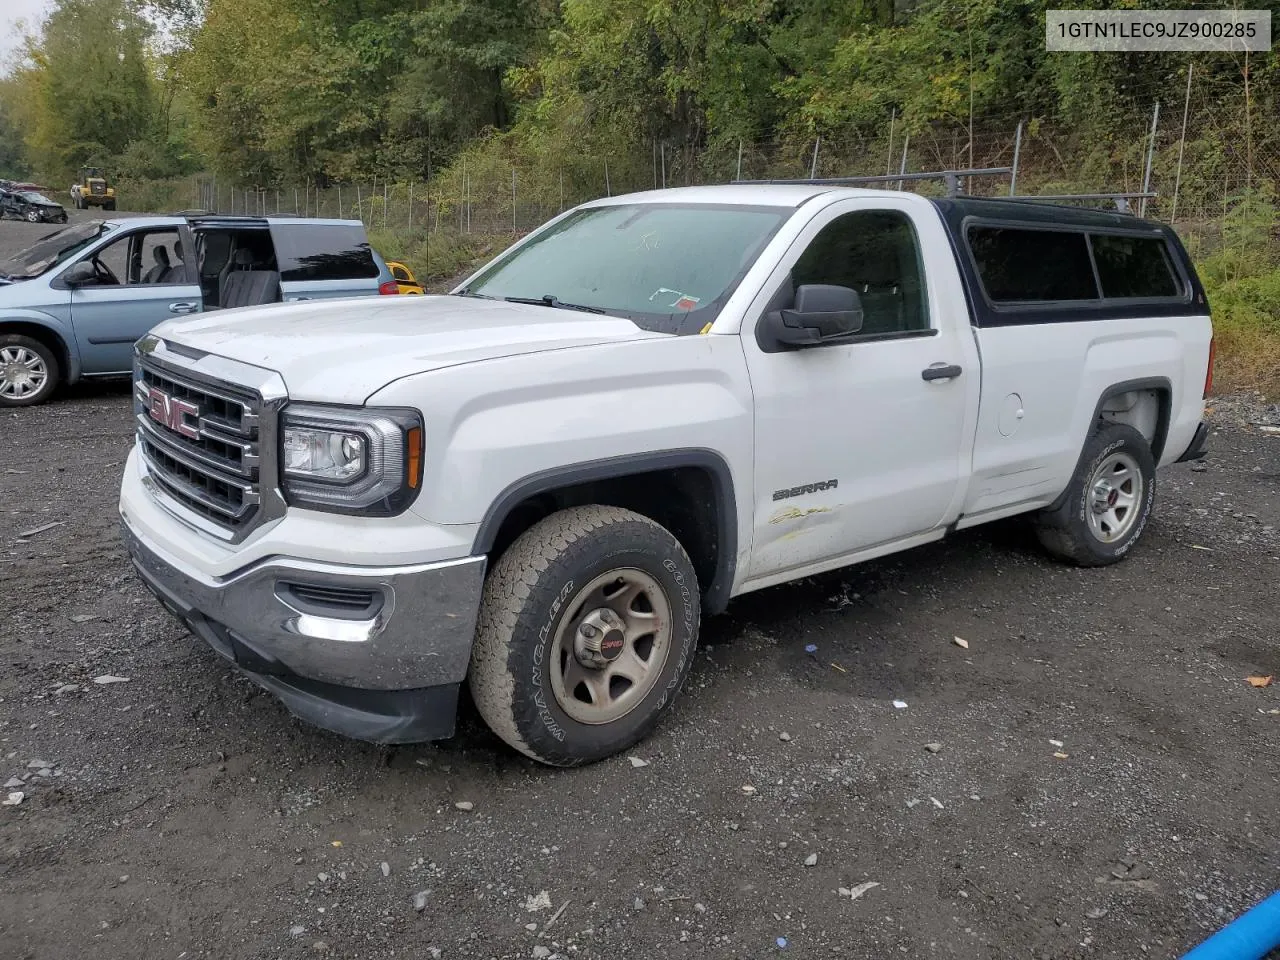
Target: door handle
184	306
941	371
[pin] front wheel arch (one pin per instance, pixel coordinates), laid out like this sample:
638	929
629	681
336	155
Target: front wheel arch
68	361
529	499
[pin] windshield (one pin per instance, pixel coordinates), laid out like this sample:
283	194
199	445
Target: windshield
31	197
669	267
51	250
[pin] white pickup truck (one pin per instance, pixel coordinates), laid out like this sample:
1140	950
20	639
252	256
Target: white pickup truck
541	482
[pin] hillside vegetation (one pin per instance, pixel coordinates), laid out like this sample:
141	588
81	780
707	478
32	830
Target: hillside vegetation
470	99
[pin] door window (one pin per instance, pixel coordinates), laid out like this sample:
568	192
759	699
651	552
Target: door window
145	257
162	258
875	253
111	263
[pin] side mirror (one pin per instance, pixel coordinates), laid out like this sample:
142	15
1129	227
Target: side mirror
823	313
79	274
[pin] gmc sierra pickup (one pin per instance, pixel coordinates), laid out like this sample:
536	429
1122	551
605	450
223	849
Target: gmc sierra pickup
541	482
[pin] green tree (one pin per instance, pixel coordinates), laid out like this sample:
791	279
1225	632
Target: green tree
90	84
305	89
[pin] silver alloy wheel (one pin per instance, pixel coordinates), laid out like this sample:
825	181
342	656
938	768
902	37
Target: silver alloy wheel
610	646
1115	497
33	216
23	373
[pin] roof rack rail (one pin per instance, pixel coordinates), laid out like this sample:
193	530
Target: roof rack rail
950	177
1121	200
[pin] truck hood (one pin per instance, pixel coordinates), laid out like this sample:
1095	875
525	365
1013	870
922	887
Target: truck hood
342	351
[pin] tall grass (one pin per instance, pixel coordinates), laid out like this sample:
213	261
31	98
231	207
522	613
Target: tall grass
1242	280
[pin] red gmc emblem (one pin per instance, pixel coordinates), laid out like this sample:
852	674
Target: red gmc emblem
172	413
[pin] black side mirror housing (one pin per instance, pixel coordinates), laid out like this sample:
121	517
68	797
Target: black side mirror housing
823	313
79	274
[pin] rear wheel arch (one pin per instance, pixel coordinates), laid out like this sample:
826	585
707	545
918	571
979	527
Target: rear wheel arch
1160	388
689	491
1144	404
1108	500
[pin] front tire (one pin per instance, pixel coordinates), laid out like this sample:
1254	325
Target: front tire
109	205
1108	501
587	630
33	216
29	371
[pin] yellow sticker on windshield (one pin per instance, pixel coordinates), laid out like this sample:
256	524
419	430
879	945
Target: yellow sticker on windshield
705	329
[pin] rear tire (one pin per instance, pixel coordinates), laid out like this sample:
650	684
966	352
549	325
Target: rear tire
1108	501
29	371
587	630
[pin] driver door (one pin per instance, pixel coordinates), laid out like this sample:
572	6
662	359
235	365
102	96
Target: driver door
858	446
134	291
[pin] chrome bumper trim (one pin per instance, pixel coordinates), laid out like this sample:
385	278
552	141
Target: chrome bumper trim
420	636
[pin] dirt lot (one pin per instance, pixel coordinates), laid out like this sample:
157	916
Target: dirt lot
184	814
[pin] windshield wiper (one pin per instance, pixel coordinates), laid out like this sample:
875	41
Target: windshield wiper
550	300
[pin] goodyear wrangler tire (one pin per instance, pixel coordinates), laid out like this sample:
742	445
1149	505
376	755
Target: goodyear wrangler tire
587	630
1108	502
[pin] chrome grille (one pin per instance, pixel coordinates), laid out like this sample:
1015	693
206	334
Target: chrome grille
201	442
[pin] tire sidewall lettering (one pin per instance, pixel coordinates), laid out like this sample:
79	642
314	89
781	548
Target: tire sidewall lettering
1136	532
689	630
539	656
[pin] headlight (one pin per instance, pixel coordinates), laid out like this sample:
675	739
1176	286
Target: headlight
350	460
327	455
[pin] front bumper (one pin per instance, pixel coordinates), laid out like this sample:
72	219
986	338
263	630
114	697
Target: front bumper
372	653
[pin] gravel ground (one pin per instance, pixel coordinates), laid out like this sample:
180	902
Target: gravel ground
1103	785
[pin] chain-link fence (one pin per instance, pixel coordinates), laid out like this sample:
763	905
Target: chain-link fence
1197	172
